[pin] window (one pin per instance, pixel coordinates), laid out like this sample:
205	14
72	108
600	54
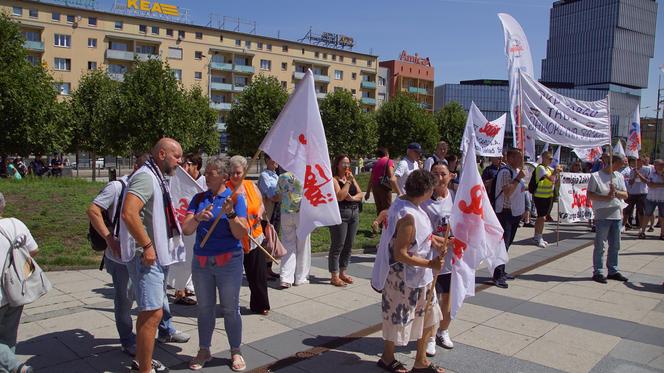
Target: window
92	21
198	75
240	60
143	28
338	74
55	16
353	91
268	47
62	64
284	48
118	25
199	35
34	60
117	69
284	66
62	40
324	56
284	84
181	34
241	81
303	51
17	11
92	43
353	76
334	57
369	63
354	60
63	88
221	37
247	44
31	35
177	73
175	53
118	46
169	32
266	65
381	81
155	30
146	49
92	65
71	18
341	58
34	13
198	55
316	54
259	45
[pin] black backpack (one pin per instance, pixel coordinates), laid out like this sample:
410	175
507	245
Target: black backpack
492	189
97	242
532	184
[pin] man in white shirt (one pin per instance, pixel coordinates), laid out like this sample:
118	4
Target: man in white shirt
407	165
437	156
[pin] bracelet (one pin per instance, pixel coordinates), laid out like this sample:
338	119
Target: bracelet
147	246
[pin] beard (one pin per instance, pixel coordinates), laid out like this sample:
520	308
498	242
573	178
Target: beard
166	170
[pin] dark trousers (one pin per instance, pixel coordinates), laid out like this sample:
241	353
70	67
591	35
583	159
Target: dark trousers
342	238
256	272
510	224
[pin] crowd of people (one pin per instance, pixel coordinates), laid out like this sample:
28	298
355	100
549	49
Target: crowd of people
16	168
233	219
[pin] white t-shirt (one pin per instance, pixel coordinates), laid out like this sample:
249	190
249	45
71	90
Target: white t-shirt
431	160
599	184
404	168
439	212
655	194
14	228
517	200
638	187
107	200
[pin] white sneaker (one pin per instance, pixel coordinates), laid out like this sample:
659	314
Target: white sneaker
443	340
431	347
541	243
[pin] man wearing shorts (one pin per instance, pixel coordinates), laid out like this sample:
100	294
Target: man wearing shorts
543	196
654	198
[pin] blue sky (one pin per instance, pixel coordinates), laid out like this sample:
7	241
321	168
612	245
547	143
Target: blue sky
463	38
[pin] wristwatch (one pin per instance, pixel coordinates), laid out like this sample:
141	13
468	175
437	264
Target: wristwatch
231	215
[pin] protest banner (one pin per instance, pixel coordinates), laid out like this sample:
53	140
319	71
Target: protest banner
574	205
489	135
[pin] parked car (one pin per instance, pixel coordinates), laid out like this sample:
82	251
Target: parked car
99	163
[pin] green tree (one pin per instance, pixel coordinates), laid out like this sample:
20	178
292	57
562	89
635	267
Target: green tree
201	134
451	121
347	129
251	117
30	115
94	105
402	121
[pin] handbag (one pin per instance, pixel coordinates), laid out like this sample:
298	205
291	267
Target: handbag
272	242
23	281
385	179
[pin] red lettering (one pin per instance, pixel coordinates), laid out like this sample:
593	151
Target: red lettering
490	129
634	141
475	205
459	247
580	199
181	211
312	188
302	139
416	59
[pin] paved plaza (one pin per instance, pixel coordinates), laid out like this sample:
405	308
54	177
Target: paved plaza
552	318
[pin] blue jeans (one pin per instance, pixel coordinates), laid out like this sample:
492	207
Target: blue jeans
151	292
226	280
122	301
9	320
606	230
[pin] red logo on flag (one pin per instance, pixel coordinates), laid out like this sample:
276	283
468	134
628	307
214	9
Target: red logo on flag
312	187
580	199
181	211
475	206
459	248
490	129
302	139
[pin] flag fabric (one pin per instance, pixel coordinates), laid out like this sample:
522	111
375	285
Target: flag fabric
183	188
556	119
477	232
489	135
618	148
297	142
588	155
633	144
556	157
519	59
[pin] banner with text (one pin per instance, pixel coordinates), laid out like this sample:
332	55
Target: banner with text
574	203
489	136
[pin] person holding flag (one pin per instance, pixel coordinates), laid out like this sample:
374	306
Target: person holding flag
543	197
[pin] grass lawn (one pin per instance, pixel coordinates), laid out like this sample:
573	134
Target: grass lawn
54	211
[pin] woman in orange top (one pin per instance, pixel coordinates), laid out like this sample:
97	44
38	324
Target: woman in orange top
254	258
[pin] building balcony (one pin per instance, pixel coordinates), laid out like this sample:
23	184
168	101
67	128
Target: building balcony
368	101
367	84
118	77
34	45
321	95
146	56
221	66
220	126
417	90
239	88
321	78
220	105
298	75
221	87
113	54
424	105
243	69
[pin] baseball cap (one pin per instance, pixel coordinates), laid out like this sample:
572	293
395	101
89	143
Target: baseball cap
415	146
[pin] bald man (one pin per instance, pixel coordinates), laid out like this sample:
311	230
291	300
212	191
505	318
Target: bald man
149	218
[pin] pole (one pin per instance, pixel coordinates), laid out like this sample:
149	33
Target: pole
608	105
655	150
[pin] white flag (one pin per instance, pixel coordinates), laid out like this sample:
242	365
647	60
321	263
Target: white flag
618	148
556	158
183	188
634	137
519	59
297	142
575	206
477	232
489	135
561	120
588	155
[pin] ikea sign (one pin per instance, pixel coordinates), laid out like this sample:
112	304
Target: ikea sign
153	7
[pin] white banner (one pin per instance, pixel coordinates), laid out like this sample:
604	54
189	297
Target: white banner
634	136
556	119
297	142
519	59
183	188
588	155
489	136
575	206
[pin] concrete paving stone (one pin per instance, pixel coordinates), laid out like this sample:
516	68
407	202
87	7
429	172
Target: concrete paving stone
528	326
49	299
515	291
636	351
572	265
657	363
653	268
30	331
643	288
583	339
499	341
366	290
313	290
476	314
257	328
573	289
460	326
44	353
310	311
53	307
347	300
335	361
280	299
186	351
632	301
87	320
654	318
76	366
84	343
62	277
285	344
613	365
110	361
333	327
78	286
367	316
647	334
565	357
495	301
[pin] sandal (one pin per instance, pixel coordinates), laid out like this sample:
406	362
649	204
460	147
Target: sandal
185	301
238	364
347	279
432	368
642	236
336	281
198	362
395	366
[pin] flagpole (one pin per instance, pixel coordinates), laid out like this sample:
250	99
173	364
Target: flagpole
522	142
435	278
608	110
